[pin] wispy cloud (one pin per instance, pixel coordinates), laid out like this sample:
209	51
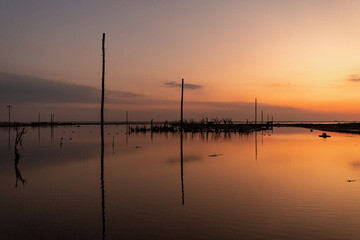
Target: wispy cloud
279	85
16	88
187	85
69	100
354	78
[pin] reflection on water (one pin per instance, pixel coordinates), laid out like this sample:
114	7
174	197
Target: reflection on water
18	143
255	146
102	195
182	169
52	133
9	139
300	187
102	173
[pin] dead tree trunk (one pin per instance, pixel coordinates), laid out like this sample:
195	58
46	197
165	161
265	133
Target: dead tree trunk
102	138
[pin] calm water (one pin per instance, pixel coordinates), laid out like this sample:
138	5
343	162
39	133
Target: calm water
285	184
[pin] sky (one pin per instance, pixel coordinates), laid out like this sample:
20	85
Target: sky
299	58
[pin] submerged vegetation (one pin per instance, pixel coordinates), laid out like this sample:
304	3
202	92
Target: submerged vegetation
203	125
18	142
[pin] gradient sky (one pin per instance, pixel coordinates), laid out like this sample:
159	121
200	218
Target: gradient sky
301	59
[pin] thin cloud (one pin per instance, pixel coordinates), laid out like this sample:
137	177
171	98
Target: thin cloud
187	85
354	78
16	88
279	85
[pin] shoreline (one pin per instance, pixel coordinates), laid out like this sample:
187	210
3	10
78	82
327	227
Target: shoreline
165	126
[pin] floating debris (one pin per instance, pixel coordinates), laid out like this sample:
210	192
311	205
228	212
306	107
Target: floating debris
324	135
214	155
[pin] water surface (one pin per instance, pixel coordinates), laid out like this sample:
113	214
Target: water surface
282	184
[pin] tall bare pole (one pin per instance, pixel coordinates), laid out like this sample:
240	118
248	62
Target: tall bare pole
262	117
9	108
127	122
182	169
255	110
182	101
181	143
52	117
103	85
102	137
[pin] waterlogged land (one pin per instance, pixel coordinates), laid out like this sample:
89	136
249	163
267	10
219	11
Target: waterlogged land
224	125
150	126
282	184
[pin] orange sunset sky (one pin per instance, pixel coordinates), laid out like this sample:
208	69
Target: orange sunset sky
301	59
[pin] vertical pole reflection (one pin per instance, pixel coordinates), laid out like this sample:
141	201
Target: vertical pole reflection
113	145
102	182
52	133
255	145
39	133
18	142
181	141
182	167
9	139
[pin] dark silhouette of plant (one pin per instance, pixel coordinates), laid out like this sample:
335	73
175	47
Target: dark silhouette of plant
18	142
